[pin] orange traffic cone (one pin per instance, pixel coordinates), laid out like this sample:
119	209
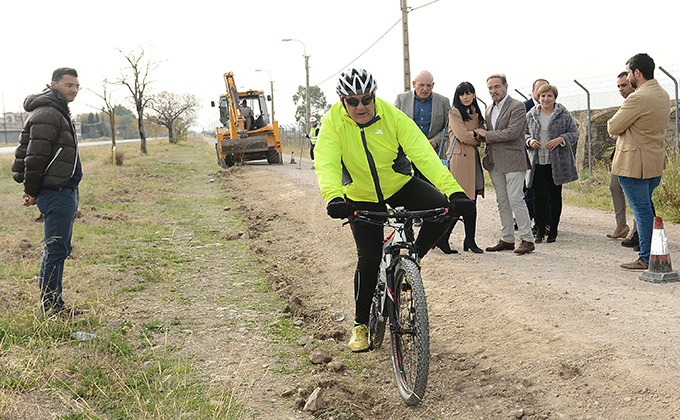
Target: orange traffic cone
660	269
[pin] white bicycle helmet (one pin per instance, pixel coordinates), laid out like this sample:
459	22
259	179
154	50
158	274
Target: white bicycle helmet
355	82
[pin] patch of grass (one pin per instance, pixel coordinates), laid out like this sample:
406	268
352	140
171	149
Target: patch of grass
283	331
136	288
358	364
593	191
154	326
667	195
139	241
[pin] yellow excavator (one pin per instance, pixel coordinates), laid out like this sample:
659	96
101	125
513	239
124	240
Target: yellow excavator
247	132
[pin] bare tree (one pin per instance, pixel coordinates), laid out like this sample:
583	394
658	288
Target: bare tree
136	79
108	108
174	112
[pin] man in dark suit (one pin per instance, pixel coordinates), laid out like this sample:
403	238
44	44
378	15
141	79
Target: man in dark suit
533	101
506	160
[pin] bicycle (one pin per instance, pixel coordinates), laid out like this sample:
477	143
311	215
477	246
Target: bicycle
399	279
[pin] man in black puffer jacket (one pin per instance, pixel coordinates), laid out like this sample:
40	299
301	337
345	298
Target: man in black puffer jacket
48	165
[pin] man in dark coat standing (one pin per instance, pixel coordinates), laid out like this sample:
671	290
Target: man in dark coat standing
47	164
533	101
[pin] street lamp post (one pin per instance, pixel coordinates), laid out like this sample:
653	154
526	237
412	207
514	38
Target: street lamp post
271	84
307	107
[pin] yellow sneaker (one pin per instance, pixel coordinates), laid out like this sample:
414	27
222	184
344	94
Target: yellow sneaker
359	340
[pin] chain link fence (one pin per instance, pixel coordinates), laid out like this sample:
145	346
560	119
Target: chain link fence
293	140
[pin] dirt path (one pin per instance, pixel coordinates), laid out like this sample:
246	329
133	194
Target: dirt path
560	333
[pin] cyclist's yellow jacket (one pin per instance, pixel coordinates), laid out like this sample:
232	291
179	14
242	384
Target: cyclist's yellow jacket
370	162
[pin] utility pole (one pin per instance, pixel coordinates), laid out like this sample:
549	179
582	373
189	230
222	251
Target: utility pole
271	84
307	106
4	118
407	63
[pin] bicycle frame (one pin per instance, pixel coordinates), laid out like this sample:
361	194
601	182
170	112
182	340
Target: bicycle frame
393	245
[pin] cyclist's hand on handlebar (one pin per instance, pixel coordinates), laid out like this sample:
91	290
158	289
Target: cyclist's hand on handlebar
460	204
338	208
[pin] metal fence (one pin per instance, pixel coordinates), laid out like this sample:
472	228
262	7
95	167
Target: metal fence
293	140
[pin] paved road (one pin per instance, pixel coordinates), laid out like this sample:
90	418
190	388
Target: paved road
10	149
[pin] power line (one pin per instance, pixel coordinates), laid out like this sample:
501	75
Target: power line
420	7
359	56
373	44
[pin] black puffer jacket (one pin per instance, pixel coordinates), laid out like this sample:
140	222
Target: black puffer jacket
48	149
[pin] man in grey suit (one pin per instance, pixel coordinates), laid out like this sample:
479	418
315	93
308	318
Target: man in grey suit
506	160
428	109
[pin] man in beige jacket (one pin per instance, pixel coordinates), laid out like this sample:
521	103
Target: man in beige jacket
641	125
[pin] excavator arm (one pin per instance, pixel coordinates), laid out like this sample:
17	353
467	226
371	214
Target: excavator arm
236	120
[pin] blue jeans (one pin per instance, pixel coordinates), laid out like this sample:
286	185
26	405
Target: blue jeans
639	195
60	208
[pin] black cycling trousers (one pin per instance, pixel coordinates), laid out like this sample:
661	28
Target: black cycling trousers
415	195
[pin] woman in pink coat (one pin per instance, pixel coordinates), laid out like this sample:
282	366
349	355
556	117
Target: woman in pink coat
465	117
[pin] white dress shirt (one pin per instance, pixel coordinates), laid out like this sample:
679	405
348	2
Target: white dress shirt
496	110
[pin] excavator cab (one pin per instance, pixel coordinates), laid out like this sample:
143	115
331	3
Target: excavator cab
255	101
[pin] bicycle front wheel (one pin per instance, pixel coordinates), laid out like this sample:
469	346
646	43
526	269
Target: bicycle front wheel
376	321
410	337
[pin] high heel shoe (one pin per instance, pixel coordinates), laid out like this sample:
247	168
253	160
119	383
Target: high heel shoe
472	247
446	248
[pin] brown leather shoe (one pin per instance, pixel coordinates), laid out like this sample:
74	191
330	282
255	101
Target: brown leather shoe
635	265
620	232
525	247
501	246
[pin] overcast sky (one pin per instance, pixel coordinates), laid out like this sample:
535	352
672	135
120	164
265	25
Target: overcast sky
196	42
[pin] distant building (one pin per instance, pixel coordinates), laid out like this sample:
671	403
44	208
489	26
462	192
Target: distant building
10	126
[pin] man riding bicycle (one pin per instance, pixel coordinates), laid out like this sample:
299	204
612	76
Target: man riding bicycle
363	156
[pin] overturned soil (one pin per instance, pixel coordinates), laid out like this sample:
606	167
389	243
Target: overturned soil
560	333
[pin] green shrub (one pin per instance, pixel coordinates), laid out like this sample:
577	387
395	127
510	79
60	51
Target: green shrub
667	195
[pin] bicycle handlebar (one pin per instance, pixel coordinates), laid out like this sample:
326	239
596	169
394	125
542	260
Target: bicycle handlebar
402	213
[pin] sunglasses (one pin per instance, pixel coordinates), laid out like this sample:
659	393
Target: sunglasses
354	102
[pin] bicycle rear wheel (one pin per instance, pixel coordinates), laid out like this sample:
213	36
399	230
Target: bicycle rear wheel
410	338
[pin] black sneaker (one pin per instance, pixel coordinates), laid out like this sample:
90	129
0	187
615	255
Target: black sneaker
630	243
